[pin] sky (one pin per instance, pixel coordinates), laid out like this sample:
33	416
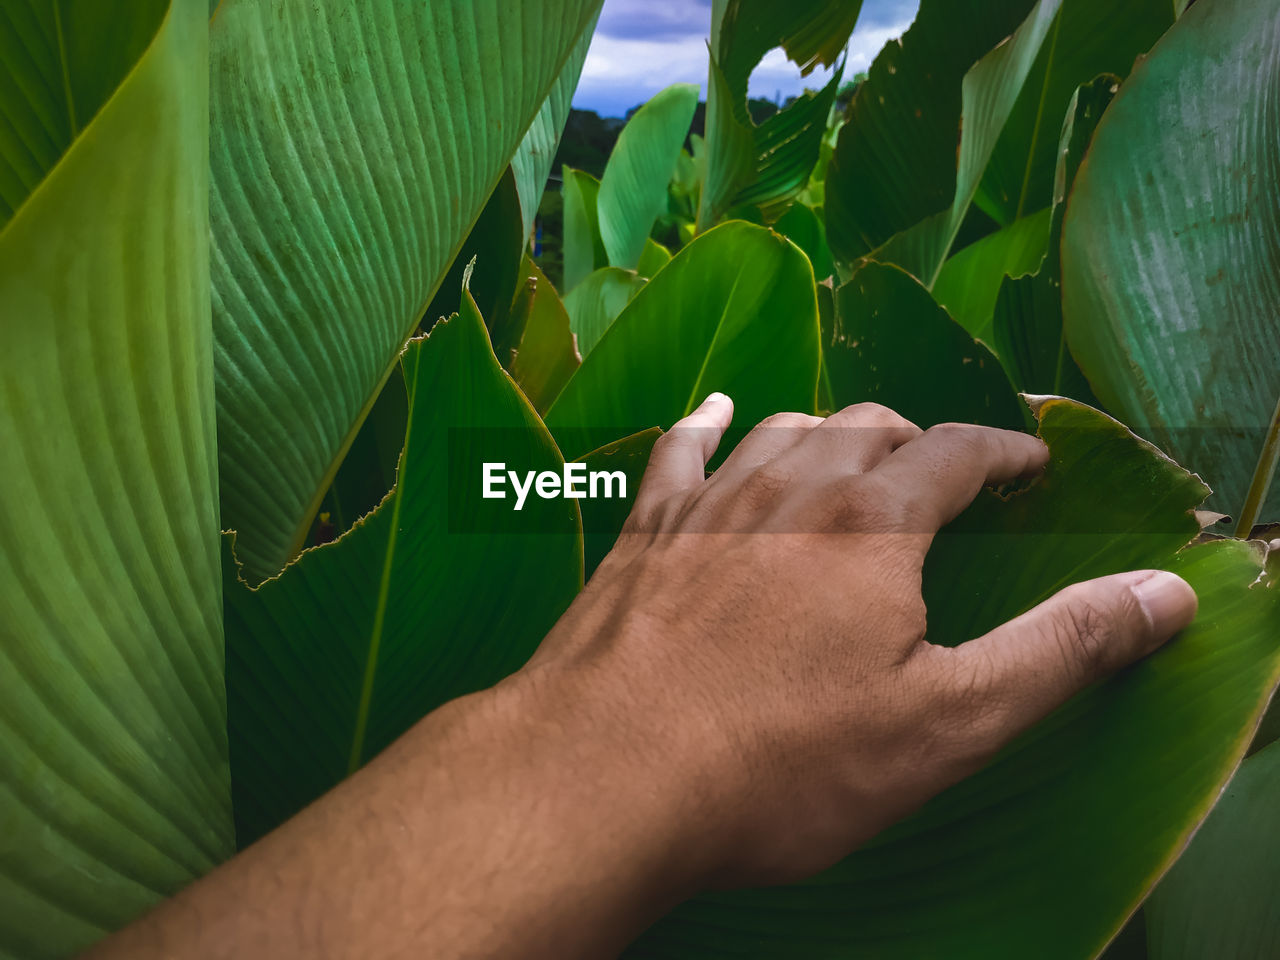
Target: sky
641	46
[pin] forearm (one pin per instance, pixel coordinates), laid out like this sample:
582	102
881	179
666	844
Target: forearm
494	828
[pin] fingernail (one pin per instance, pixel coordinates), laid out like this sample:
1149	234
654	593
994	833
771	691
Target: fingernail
1168	600
716	397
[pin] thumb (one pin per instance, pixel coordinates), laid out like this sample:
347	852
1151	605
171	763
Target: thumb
1023	670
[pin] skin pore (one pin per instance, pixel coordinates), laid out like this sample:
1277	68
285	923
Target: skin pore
741	695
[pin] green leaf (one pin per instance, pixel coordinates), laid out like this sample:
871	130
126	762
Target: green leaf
1222	898
352	149
895	159
583	247
537	151
1026	323
767	165
804	228
1046	851
733	311
602	518
970	281
633	190
989	92
547	355
1169	253
892	344
654	258
113	753
595	303
1090	37
435	594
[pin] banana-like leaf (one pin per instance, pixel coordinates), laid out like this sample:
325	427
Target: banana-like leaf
583	247
1025	323
989	93
548	353
733	311
537	151
803	227
352	148
595	303
114	786
1170	257
892	344
654	258
437	593
970	281
1090	37
1048	850
633	190
767	165
1222	898
895	159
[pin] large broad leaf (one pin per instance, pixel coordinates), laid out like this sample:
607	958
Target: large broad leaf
892	344
1170	257
603	517
437	593
1026	318
595	303
1222	898
583	248
1089	37
895	160
114	787
1047	851
733	311
352	148
537	151
633	190
767	165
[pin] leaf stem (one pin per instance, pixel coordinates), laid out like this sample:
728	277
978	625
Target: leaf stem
1262	477
66	69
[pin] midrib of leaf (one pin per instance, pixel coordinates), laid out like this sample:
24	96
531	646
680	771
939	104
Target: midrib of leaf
66	69
692	403
1035	129
1263	474
380	611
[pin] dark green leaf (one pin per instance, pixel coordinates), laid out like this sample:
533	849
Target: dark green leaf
595	303
547	355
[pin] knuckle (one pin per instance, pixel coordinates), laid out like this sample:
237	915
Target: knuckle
764	484
863	502
787	419
1084	634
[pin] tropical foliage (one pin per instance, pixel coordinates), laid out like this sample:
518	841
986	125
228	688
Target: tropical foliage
264	269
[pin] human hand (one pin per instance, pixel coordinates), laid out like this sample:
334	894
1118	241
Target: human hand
753	649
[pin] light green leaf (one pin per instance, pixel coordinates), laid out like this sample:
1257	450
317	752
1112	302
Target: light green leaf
537	151
352	148
114	787
892	344
970	281
1222	898
595	303
1090	37
435	594
895	159
733	311
804	228
583	247
1170	256
547	355
654	258
633	190
602	518
1045	852
989	93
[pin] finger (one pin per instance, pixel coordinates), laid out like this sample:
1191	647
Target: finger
857	438
767	440
939	473
679	459
1020	672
